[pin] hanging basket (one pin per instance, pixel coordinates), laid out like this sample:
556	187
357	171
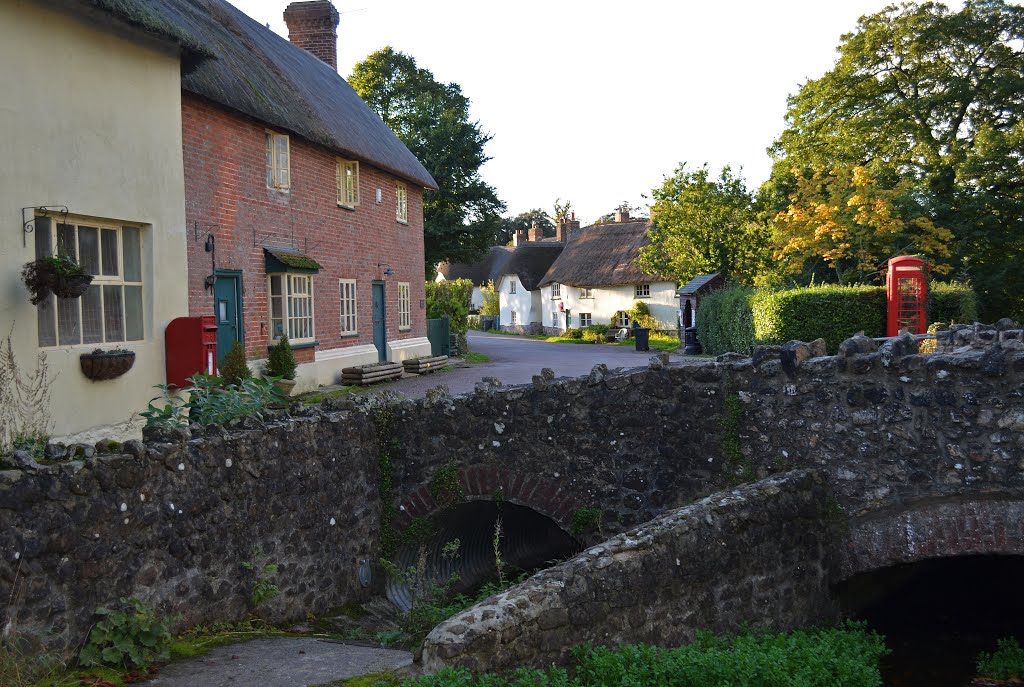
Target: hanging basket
60	276
100	365
70	287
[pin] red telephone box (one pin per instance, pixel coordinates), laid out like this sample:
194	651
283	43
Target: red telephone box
906	291
191	344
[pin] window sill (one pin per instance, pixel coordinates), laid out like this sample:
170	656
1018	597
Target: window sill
280	189
402	221
348	335
351	208
299	345
405	329
641	296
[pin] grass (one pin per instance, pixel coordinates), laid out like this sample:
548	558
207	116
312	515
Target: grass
657	342
474	358
314	397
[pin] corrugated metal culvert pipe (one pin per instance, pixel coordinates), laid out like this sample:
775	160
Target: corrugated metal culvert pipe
529	541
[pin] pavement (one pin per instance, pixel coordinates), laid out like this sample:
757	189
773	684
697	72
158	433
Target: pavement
515	359
281	662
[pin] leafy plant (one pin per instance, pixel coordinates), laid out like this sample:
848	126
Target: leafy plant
640	316
452	299
445	486
726	322
263	588
42	276
25	420
952	302
492	300
235	370
211	404
585	518
1005	663
575	334
281	362
132	636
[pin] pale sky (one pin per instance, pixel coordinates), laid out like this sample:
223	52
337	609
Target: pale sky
596	102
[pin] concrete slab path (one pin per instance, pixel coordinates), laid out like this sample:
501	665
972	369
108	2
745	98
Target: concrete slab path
281	662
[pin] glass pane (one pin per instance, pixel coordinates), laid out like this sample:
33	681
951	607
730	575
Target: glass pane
275	286
47	326
282	160
131	244
113	315
66	240
276	307
92	315
89	249
133	321
270	161
43	239
110	267
67	321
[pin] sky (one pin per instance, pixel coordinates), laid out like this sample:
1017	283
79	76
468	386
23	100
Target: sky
597	102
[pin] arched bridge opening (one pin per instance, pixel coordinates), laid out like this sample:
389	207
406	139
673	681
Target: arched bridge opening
941	581
467	545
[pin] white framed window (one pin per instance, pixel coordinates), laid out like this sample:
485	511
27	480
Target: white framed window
401	203
278	162
586	292
404	306
585	319
111	309
643	291
348	183
556	290
511	285
291	306
622	319
514	318
349	319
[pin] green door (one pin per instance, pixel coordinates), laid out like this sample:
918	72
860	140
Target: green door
380	336
227	308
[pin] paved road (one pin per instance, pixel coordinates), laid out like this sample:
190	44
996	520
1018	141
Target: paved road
515	359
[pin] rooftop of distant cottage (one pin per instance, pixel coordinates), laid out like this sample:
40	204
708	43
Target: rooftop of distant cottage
602	255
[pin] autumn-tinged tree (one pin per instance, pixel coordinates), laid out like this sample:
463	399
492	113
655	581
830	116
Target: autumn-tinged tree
462	217
704	224
935	98
846	221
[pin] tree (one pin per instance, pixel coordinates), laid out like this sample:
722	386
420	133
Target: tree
933	98
523	221
846	220
703	224
492	300
461	218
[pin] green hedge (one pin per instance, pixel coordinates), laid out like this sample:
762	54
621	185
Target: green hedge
829	312
952	302
724	321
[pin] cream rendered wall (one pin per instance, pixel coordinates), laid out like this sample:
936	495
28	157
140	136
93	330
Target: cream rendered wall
525	303
609	300
92	121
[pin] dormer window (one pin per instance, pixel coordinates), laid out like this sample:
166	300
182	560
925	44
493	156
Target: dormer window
278	165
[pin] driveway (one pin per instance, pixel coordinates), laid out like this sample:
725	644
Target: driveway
515	359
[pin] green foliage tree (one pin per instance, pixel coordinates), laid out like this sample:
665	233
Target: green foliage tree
281	361
461	218
492	300
523	221
704	224
935	97
451	298
235	369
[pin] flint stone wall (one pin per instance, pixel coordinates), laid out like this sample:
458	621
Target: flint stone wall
754	556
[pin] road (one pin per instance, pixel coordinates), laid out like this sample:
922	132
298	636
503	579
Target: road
515	359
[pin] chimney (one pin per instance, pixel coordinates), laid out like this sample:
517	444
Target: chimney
622	214
536	233
519	238
565	227
313	26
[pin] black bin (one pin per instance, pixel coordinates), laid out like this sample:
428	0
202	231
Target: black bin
642	338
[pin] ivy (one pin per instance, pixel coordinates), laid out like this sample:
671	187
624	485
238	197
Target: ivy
740	467
445	486
384	421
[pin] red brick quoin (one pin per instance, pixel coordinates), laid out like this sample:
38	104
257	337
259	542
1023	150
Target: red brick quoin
939	530
483	482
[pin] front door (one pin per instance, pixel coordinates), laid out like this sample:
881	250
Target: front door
380	337
227	308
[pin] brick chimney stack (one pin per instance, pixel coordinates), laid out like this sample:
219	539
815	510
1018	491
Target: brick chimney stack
564	228
536	233
622	214
519	237
313	26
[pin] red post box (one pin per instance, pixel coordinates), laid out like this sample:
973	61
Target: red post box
191	348
906	292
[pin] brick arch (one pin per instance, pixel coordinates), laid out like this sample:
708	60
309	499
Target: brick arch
482	482
938	530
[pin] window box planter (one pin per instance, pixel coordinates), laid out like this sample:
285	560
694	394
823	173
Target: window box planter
58	275
100	365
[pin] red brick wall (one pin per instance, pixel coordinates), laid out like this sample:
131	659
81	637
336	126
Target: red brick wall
225	185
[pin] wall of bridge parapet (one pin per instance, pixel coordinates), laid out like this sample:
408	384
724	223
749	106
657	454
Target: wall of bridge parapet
170	520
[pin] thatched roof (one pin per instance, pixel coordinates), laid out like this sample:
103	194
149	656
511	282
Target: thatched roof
262	75
480	272
602	255
530	261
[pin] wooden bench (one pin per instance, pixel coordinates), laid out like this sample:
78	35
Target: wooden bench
371	374
421	365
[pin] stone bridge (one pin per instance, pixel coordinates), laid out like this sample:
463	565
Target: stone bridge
898	457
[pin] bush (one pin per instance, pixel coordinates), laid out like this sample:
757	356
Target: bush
452	298
724	321
952	302
235	368
210	404
830	312
132	636
575	334
281	362
640	316
492	300
595	333
1006	663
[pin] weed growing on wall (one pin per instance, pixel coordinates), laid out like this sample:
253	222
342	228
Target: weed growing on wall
131	636
384	422
741	469
25	421
445	486
1005	663
263	587
584	519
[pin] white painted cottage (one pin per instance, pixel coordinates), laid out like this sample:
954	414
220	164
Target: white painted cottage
595	280
519	282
